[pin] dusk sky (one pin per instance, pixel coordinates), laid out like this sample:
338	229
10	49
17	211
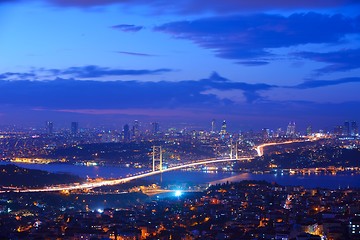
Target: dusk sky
255	63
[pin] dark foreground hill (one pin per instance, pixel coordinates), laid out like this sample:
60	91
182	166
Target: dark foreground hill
12	175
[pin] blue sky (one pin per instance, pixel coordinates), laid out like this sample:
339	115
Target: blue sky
254	63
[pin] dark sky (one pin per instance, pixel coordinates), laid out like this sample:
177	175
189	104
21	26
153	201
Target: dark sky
254	63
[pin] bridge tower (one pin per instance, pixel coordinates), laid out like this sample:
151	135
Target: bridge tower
157	157
234	148
236	151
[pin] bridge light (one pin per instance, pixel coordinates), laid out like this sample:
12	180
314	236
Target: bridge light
178	193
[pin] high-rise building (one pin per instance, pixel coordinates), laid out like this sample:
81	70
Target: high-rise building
223	128
126	133
136	128
290	131
279	132
353	129
350	128
213	126
309	130
346	129
339	130
155	128
49	127
265	133
74	128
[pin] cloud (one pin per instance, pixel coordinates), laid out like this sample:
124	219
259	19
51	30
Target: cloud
214	91
150	112
253	63
323	83
81	94
136	54
189	100
250	37
128	27
324	93
14	75
225	6
93	71
89	71
241	5
342	60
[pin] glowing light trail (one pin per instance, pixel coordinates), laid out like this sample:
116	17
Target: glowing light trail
260	148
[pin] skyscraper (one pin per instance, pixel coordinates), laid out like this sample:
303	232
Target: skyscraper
155	128
353	129
126	133
136	128
346	128
213	126
339	130
265	133
279	132
74	128
309	130
223	128
350	128
290	131
49	128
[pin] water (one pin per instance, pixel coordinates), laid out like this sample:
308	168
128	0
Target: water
341	180
309	181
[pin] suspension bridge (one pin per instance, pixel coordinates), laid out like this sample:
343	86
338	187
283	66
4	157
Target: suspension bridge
157	157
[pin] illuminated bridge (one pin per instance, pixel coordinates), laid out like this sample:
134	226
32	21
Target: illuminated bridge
126	179
157	157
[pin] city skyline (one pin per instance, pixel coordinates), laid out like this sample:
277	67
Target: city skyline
136	129
256	65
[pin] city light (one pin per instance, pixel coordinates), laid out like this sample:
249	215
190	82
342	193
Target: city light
159	119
